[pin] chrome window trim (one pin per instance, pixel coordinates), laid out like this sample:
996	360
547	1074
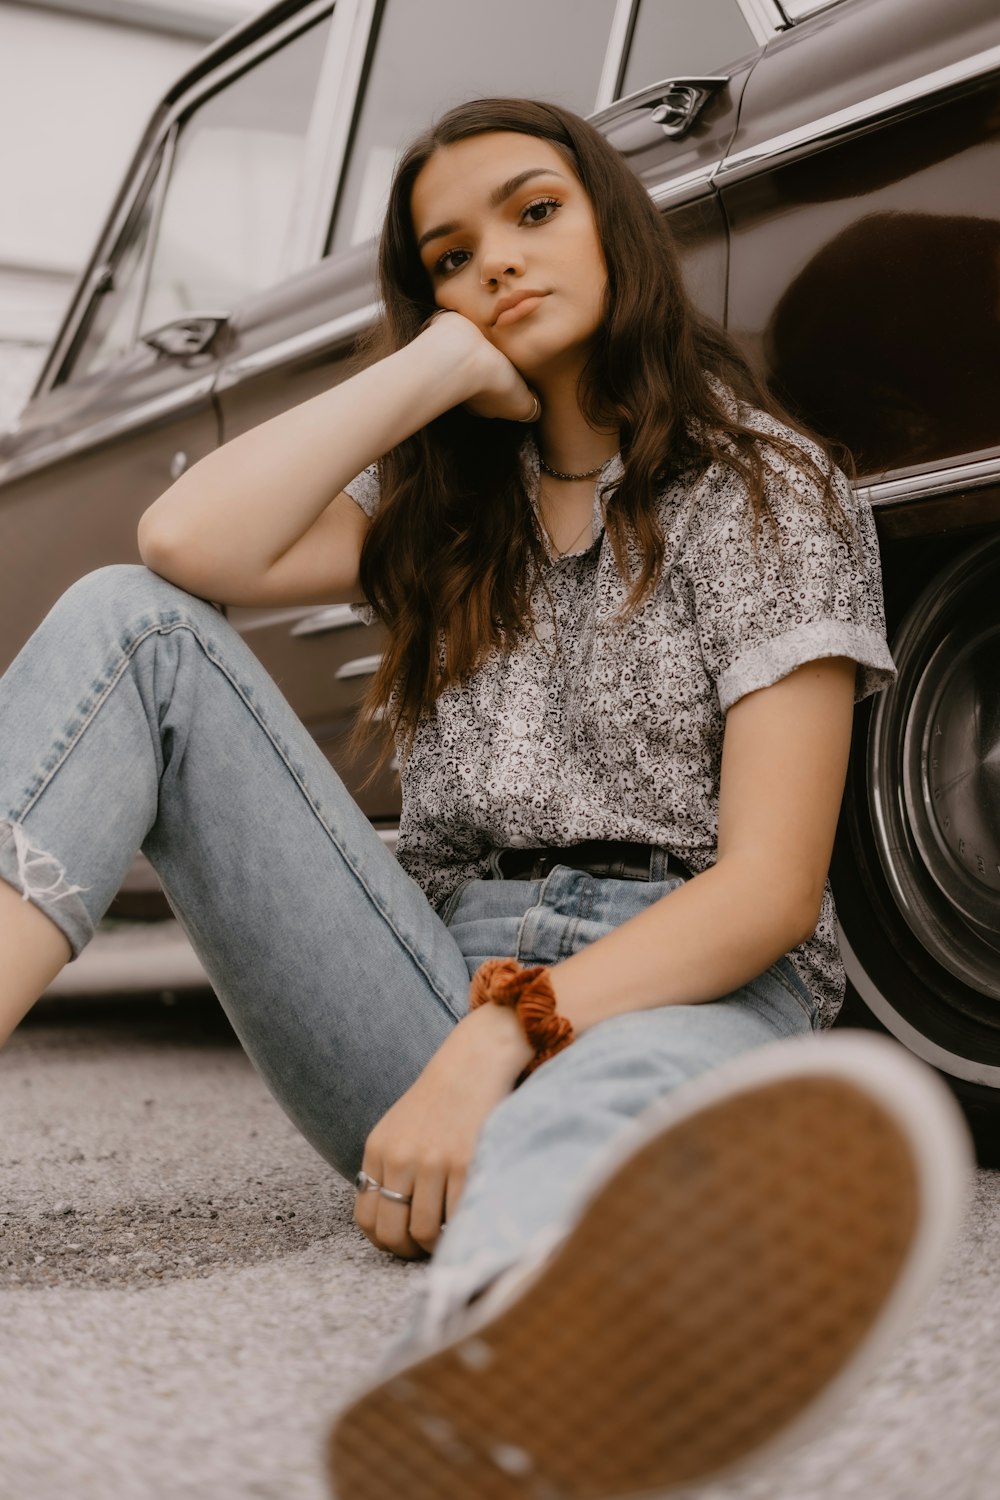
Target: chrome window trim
614	56
978	474
803	10
199	390
764	18
338	96
159	196
252	54
299	346
200	90
843	123
90	283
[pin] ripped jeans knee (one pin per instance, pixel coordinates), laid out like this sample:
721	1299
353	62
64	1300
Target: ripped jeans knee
39	875
32	863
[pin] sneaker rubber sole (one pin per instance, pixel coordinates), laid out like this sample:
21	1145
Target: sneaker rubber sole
746	1257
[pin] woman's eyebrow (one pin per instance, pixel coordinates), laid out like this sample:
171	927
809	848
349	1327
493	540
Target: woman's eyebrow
506	189
498	196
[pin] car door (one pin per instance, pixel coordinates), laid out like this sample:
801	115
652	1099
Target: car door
125	402
861	192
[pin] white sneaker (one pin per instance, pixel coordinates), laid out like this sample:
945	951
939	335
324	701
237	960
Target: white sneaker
741	1260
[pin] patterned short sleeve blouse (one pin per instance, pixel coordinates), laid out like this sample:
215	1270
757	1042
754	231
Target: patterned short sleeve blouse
600	729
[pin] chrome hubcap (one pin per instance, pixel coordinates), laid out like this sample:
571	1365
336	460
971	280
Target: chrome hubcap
934	772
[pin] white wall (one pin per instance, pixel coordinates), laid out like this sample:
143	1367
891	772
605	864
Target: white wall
75	96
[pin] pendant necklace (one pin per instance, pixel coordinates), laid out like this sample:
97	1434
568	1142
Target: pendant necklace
558	474
562	551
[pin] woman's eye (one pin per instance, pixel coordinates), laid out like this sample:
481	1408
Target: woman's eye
451	260
541	210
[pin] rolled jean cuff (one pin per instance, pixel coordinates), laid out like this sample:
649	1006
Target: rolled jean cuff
41	879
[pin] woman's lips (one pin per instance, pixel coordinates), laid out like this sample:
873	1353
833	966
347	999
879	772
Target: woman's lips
519	310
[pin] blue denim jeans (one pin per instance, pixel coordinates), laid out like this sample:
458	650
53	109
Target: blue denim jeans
137	718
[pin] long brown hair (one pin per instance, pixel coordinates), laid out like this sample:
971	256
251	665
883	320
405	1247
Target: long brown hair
448	561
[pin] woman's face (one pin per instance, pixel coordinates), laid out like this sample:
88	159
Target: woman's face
507	235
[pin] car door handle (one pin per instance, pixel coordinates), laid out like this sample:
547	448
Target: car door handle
335	617
677	109
191	334
361	666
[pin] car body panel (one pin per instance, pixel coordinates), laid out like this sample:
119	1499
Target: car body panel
879	320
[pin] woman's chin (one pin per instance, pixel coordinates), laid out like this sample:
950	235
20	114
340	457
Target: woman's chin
543	361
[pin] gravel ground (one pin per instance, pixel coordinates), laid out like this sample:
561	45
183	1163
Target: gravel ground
185	1300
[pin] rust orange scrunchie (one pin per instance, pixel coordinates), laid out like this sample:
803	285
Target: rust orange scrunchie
530	994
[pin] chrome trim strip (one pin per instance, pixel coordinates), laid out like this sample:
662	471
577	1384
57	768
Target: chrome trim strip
844	122
614	56
976	475
332	617
691	185
111	427
361	666
327	336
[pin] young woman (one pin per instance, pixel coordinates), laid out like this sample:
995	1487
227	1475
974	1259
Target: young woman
629	605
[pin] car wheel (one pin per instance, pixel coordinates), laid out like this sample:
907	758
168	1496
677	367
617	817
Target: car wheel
916	868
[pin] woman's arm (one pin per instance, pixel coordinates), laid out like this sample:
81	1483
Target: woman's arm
784	764
264	520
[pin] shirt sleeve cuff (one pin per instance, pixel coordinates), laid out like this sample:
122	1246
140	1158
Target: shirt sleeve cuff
767	663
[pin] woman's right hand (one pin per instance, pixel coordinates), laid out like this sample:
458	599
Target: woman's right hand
499	389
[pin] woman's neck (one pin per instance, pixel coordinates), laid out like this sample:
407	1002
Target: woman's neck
565	438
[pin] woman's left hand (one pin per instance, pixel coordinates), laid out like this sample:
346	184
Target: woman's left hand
424	1144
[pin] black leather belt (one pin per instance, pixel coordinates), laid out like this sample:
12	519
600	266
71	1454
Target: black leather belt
619	861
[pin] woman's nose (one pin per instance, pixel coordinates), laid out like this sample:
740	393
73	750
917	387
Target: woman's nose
499	261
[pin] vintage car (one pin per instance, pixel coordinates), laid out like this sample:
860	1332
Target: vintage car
831	169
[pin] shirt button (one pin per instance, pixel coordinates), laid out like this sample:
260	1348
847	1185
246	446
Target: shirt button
519	727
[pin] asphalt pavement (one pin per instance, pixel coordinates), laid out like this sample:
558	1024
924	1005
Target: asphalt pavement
185	1300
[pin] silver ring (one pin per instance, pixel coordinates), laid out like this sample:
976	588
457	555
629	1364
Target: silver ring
535	410
396	1197
365	1184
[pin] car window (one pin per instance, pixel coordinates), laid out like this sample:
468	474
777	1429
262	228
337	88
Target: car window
221	232
432	55
684	37
226	214
109	326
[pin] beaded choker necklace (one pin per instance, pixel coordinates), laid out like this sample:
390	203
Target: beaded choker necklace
558	473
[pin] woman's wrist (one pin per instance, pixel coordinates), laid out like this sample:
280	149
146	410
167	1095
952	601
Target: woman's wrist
477	374
504	1036
452	355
